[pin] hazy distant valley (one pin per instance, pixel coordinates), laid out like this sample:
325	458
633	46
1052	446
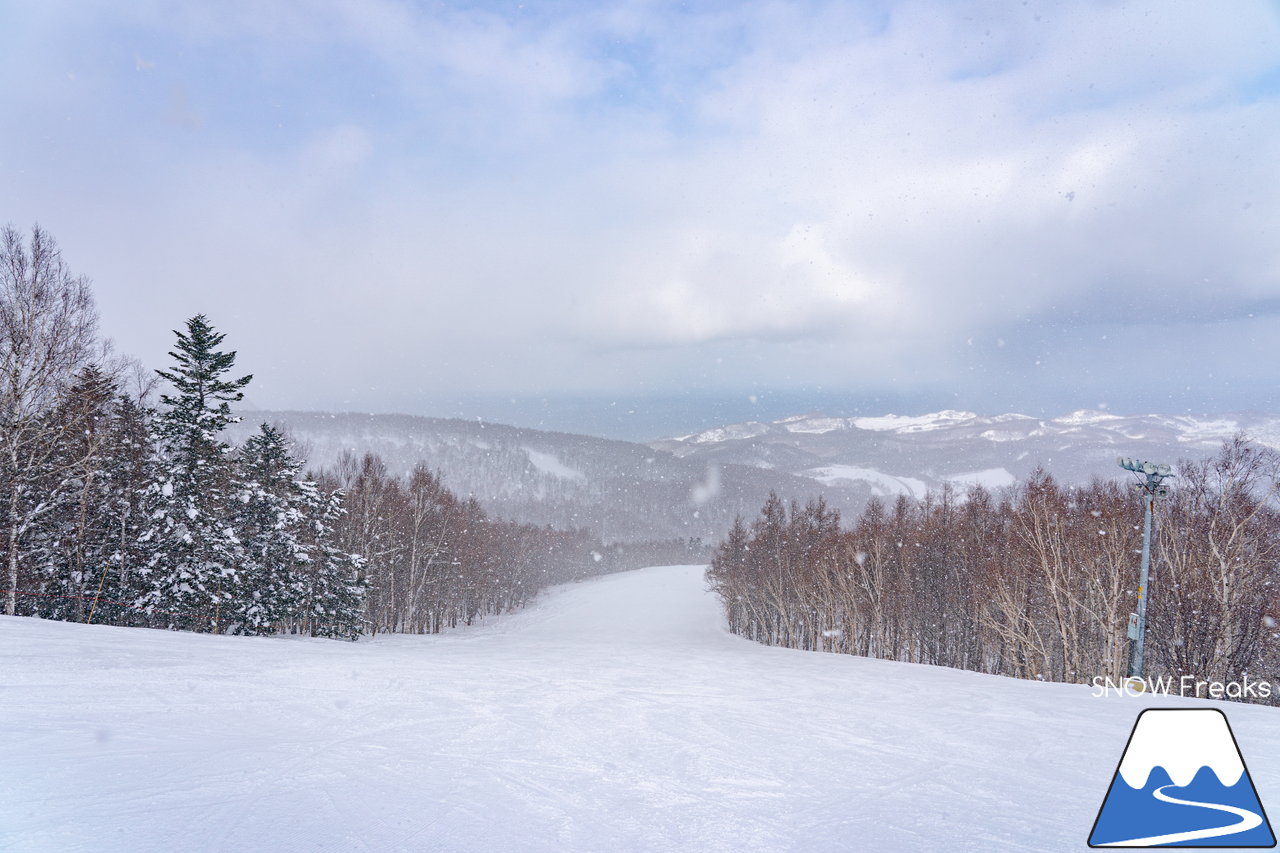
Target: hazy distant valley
694	485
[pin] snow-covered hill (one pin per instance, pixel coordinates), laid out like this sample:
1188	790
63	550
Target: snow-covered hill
616	714
621	491
893	454
694	485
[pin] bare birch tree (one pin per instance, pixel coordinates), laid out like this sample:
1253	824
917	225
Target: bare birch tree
1036	584
48	326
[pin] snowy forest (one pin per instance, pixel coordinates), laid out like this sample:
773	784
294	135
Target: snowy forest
1036	581
432	560
123	502
123	510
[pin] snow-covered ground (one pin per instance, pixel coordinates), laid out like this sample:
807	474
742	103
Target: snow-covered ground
988	478
613	715
881	483
548	463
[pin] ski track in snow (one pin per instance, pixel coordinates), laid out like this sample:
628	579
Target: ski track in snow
612	715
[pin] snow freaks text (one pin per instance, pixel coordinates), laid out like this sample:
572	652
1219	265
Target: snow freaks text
1187	685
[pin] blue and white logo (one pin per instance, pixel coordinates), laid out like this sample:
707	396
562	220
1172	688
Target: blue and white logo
1182	783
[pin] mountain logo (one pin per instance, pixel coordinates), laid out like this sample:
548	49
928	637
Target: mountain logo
1181	782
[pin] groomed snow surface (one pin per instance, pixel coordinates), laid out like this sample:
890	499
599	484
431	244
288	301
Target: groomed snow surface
612	715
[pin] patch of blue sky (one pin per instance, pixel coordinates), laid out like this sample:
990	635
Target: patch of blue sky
240	91
1261	87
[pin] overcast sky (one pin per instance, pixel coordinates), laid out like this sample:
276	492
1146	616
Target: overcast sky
406	206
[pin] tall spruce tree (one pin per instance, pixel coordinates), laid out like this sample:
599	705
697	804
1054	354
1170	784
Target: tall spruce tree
68	542
332	579
194	567
82	553
296	577
129	469
271	522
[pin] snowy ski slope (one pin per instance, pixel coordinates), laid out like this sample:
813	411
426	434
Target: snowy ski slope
612	715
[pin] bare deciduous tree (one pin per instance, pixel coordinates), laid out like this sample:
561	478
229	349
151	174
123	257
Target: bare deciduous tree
1036	584
48	326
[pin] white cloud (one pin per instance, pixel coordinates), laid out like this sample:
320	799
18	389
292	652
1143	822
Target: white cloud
702	285
596	198
334	153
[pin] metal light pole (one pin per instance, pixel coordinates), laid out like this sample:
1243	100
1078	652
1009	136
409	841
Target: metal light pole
1150	487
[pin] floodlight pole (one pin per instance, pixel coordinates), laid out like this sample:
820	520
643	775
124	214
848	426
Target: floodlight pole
1150	489
1140	644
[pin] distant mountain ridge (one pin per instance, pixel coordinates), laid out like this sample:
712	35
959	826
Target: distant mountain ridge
908	454
692	486
622	491
1006	427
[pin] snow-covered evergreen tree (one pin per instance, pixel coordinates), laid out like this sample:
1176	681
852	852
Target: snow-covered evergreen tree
271	522
128	470
66	542
295	577
84	550
193	569
334	589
